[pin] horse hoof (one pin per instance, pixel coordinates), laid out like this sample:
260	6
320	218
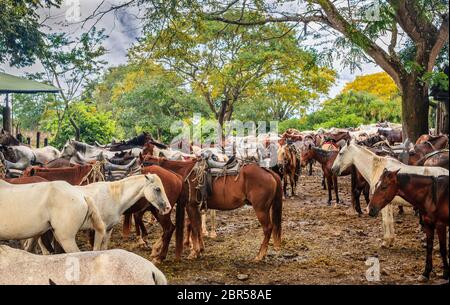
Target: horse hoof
192	256
423	279
156	261
213	235
257	259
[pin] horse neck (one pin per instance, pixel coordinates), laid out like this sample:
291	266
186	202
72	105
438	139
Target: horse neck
415	190
320	155
364	161
182	168
128	191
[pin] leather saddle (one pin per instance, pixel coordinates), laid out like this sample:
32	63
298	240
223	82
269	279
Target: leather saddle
231	167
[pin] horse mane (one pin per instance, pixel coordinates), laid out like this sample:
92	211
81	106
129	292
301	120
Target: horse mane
322	152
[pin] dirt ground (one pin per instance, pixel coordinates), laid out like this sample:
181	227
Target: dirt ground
321	245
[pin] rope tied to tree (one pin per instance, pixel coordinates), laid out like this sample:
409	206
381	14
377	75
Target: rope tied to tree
95	174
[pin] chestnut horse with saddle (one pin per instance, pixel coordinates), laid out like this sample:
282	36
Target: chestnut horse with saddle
252	185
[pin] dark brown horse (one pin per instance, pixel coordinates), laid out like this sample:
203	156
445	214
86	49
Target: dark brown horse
392	135
7	139
173	184
289	167
326	159
430	196
253	185
138	141
437	158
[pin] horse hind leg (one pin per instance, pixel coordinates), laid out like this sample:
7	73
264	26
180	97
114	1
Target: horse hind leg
387	214
266	224
213	233
442	235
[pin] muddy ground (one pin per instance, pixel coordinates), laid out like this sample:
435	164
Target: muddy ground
321	245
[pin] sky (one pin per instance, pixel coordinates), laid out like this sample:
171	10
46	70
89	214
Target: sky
123	29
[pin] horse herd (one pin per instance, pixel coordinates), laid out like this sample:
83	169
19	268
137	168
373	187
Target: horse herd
47	196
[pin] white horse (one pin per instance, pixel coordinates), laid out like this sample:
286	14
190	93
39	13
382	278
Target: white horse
73	149
112	199
27	211
27	156
371	168
112	267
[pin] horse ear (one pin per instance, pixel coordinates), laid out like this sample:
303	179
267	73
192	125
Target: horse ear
396	172
149	178
348	142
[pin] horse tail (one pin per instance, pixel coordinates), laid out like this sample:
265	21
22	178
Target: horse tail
179	227
126	228
277	209
94	216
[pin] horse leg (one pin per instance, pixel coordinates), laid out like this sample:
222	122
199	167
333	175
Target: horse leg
46	241
195	219
266	224
442	235
67	242
329	186
285	182
102	242
30	244
204	225
168	229
387	215
187	233
213	233
310	168
137	223
293	183
336	190
429	231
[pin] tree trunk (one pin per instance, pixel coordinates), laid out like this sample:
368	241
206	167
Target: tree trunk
77	129
415	109
7	122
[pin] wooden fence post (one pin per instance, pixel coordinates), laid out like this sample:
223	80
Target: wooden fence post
38	139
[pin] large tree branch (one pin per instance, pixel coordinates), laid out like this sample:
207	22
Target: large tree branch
388	63
441	40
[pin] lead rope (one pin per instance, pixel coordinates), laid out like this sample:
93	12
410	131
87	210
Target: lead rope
95	174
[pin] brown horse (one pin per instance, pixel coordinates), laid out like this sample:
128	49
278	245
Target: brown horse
7	139
392	135
75	175
437	158
173	184
289	167
326	159
430	196
253	185
439	142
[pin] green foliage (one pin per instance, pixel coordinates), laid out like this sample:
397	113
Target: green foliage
146	98
349	109
20	36
94	125
229	64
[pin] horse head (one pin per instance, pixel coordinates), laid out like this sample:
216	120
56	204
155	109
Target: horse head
343	160
155	194
385	191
